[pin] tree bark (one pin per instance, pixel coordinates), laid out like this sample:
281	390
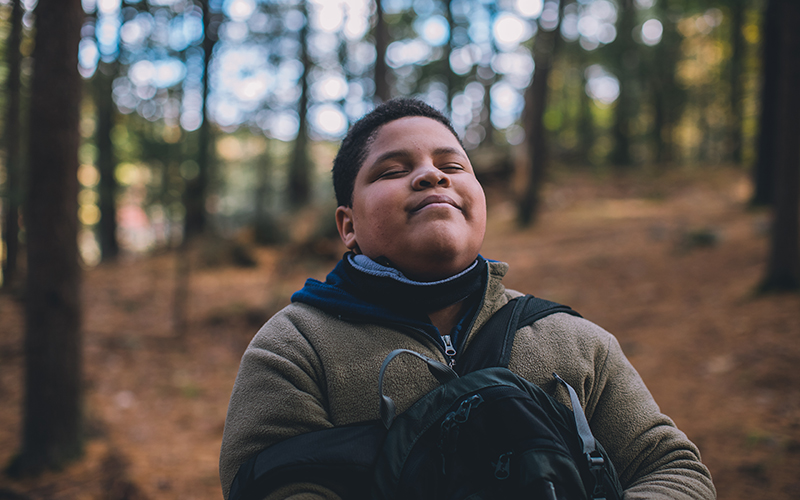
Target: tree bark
52	406
449	75
383	91
783	268
764	169
627	57
264	225
487	77
736	62
13	146
486	112
585	121
196	188
533	115
300	169
667	96
106	161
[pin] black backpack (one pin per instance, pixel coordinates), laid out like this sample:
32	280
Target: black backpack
484	433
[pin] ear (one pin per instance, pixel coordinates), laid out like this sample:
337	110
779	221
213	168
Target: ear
344	223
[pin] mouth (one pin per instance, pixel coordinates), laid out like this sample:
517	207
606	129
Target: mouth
435	199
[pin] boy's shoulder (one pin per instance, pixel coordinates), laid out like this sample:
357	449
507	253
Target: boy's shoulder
568	327
560	342
307	328
563	326
293	320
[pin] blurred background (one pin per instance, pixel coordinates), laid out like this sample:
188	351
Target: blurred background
165	180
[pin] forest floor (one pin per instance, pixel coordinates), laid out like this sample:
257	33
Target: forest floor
668	263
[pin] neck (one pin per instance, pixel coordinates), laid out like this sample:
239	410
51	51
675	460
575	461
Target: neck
446	319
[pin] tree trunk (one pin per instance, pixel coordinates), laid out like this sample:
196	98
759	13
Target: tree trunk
486	111
783	269
660	129
703	100
195	222
535	103
764	169
266	227
487	77
736	62
195	192
106	161
383	91
667	96
627	58
449	75
12	146
300	169
52	407
585	125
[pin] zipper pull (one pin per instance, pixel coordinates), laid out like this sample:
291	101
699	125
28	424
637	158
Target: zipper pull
449	350
503	468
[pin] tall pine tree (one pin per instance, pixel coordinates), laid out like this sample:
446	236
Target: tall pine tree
13	145
52	407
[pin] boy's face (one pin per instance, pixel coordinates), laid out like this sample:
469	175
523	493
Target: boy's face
416	201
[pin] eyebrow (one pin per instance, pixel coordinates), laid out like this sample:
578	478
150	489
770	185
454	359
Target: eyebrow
402	153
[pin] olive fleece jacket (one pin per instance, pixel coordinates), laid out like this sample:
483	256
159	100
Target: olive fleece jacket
306	370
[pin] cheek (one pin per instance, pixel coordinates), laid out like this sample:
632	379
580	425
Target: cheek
478	217
477	204
368	228
479	226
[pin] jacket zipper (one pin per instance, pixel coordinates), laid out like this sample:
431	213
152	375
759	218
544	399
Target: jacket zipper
449	350
446	346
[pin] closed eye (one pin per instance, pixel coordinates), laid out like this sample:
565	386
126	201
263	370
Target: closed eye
392	172
451	167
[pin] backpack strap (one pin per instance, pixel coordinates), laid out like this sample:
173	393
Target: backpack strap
492	344
337	458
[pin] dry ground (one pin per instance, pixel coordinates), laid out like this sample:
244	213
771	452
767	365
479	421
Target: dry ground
669	265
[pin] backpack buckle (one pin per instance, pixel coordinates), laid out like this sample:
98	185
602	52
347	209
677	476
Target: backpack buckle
596	464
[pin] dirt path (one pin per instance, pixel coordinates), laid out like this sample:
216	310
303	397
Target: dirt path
668	266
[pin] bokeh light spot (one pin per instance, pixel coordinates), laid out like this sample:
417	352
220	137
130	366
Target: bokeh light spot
652	30
239	10
510	30
329	120
529	8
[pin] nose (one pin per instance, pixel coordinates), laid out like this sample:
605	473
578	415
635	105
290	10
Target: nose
428	176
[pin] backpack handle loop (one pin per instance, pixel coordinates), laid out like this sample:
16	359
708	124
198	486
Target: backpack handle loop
581	423
593	456
440	371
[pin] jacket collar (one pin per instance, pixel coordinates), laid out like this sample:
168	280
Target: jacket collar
339	297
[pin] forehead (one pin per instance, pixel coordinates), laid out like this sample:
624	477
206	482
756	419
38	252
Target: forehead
410	132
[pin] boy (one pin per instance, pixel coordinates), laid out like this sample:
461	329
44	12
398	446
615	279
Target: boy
413	216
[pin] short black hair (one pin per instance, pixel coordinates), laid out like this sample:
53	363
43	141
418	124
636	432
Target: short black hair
355	145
